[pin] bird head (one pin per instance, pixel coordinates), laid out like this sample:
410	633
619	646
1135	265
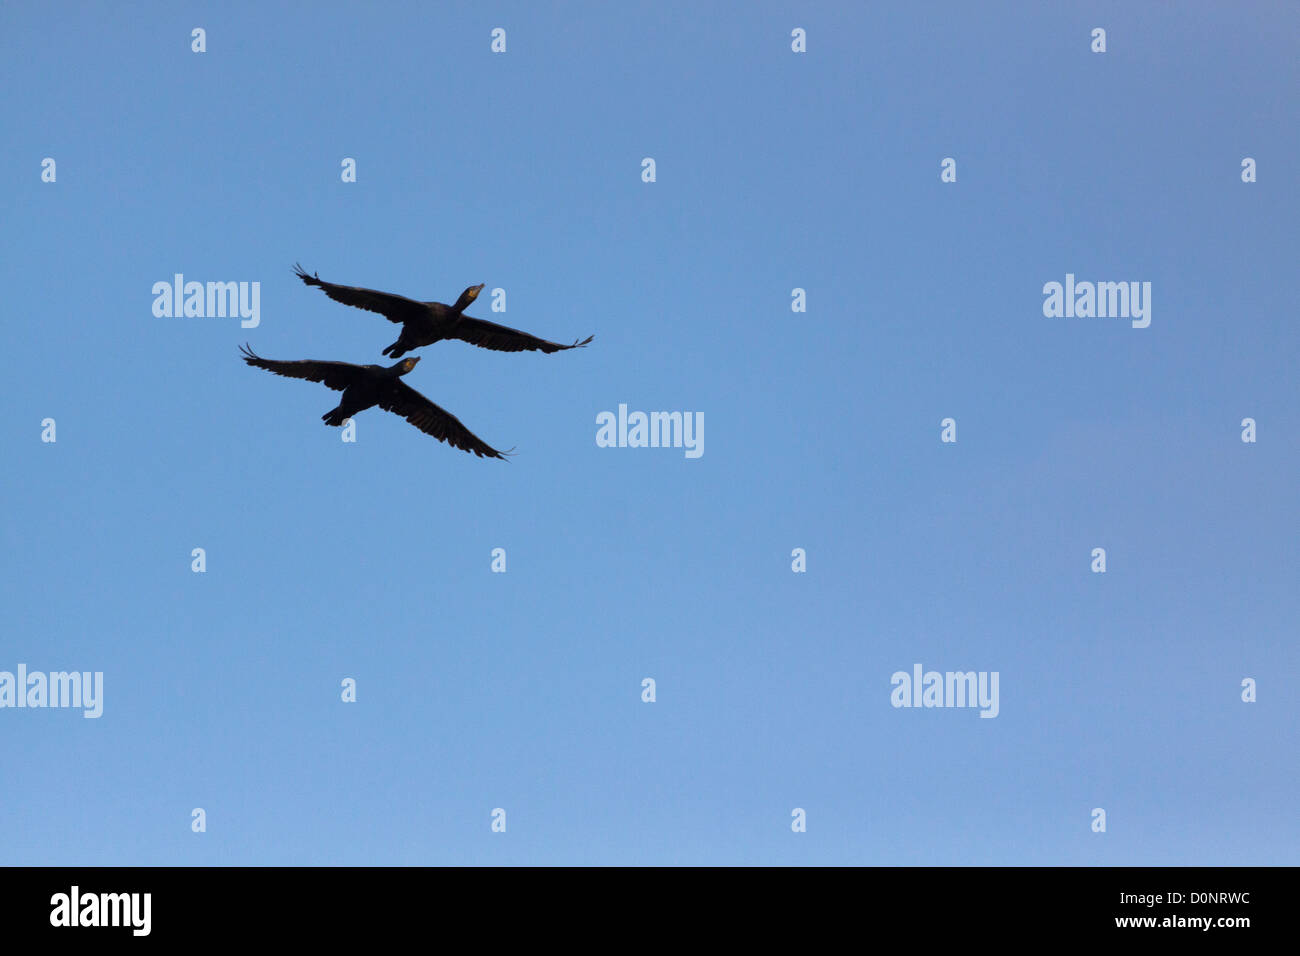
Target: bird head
468	296
406	364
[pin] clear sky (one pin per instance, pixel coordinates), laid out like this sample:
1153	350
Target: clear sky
522	690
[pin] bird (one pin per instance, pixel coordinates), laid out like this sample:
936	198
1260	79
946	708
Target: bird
364	386
424	323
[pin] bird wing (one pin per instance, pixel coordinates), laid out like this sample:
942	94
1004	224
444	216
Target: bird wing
335	375
438	422
501	338
395	308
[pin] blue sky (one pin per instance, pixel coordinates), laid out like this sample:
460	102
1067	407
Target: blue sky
775	171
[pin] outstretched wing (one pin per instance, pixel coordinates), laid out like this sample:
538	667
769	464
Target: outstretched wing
335	375
394	308
500	338
435	421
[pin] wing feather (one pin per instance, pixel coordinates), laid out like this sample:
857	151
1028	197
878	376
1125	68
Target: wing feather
501	338
438	422
335	375
395	308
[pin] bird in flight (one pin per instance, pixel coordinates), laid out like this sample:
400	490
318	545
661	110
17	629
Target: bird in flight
424	323
364	386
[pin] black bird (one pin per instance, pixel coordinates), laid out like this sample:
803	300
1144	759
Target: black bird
424	323
364	386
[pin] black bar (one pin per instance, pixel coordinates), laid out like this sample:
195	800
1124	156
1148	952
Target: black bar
379	904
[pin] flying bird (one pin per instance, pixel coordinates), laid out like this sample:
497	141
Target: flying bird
364	386
424	323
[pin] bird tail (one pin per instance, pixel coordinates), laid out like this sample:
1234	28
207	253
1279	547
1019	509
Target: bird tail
334	417
395	350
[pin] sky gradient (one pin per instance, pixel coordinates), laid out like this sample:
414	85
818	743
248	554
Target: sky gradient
775	170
